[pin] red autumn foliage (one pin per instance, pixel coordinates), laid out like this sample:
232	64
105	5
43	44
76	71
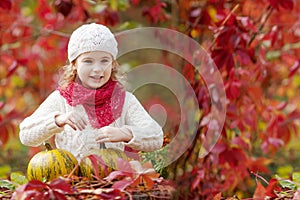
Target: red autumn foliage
34	189
6	4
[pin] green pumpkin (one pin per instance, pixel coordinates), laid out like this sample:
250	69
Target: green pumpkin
50	164
109	157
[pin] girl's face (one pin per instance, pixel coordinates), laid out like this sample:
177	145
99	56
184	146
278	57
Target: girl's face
94	68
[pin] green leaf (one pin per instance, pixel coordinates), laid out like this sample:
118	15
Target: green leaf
7	184
118	5
18	178
296	177
285	183
272	55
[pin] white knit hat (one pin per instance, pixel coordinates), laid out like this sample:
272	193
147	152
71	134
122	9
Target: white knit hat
91	37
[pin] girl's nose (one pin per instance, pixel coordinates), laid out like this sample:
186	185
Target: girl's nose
98	68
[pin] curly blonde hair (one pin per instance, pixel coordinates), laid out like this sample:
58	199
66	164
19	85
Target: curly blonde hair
69	73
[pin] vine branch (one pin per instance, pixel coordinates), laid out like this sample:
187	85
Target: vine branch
269	12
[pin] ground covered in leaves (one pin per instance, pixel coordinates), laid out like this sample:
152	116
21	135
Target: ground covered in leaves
81	188
130	181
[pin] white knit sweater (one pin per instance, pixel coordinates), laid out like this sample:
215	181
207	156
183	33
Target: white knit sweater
41	126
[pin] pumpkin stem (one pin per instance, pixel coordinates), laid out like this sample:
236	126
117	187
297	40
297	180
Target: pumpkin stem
48	146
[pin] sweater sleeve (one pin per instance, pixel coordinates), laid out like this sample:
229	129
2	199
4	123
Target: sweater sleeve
40	126
147	133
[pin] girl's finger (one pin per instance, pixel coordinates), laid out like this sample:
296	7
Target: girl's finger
82	122
78	121
80	125
71	124
103	140
100	137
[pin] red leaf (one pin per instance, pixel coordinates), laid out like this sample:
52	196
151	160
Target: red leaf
227	37
281	106
189	73
272	186
260	191
223	57
249	114
255	94
234	89
243	56
219	148
35	184
96	160
63	6
60	184
274	4
2	104
239	142
276	142
218	196
199	177
38	190
292	116
135	2
286	4
155	13
196	12
234	157
4	135
12	68
272	35
148	182
258	165
5	4
123	165
43	10
271	145
59	195
247	23
294	68
110	193
31	190
117	174
122	184
110	17
136	181
26	195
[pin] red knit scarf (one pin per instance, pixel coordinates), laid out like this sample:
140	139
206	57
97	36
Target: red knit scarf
103	105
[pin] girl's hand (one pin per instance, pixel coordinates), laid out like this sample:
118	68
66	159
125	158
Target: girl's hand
113	134
73	119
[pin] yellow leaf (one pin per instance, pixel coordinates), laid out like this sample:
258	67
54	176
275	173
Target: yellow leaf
212	13
296	81
285	171
17	81
195	33
4	171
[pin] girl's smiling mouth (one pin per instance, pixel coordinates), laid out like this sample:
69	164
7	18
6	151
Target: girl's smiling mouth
96	77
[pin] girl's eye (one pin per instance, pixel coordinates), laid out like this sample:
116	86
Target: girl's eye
104	61
88	61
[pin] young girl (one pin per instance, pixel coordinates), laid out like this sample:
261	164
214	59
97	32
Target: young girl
90	109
